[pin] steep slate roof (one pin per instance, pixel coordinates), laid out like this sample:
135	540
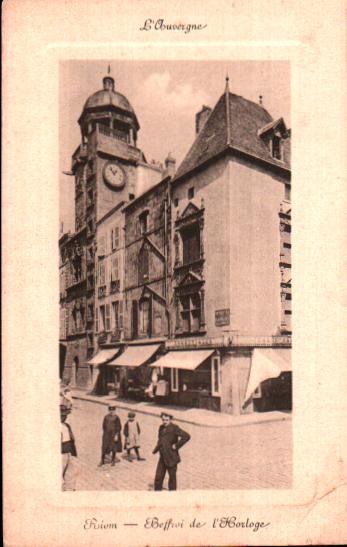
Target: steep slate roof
245	120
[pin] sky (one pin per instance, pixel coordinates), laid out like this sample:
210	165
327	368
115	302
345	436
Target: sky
165	96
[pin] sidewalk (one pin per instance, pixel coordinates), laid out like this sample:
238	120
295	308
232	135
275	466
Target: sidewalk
195	416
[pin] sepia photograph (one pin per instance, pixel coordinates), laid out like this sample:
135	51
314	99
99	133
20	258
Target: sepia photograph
173	349
175	333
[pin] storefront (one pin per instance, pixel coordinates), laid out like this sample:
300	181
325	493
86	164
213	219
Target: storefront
101	378
133	371
191	378
270	379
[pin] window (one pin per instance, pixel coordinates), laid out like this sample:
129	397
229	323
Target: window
276	147
191	192
287	192
145	316
143	265
143	222
115	238
215	375
176	202
102	318
102	246
114	268
191	243
174	379
102	273
191	312
157	323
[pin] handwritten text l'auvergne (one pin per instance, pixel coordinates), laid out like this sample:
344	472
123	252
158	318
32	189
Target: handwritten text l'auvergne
161	24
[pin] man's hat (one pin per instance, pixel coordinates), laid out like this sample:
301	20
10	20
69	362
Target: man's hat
131	415
166	414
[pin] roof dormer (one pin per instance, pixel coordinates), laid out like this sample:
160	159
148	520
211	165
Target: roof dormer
273	134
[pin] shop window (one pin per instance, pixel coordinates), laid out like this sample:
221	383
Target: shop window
191	243
191	312
215	377
174	379
143	265
143	222
257	393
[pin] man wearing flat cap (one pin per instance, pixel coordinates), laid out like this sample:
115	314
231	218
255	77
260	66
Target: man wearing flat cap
170	439
111	436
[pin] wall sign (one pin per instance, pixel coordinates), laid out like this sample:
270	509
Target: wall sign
222	317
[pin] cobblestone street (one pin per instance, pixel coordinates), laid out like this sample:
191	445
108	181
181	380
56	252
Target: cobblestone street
251	456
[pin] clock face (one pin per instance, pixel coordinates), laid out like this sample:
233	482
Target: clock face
114	175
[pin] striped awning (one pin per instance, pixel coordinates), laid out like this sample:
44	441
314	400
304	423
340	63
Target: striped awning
135	356
102	356
187	360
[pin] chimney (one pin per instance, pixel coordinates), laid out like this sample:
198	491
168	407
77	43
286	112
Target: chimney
170	166
201	118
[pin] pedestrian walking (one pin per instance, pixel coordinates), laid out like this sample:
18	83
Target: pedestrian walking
68	452
132	433
170	439
111	437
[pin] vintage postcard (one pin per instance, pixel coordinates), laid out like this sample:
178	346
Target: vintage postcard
173	256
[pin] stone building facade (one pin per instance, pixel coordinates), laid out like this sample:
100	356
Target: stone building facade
191	268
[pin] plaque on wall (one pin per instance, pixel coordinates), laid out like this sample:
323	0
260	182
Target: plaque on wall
222	317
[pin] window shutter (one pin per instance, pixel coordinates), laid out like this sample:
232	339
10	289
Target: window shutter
108	318
96	320
134	325
116	237
120	314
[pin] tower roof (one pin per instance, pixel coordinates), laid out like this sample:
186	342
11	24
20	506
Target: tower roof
109	97
236	123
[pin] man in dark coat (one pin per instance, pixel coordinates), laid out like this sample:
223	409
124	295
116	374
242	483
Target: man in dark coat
111	437
170	439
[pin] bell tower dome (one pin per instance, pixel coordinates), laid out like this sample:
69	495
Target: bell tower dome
108	108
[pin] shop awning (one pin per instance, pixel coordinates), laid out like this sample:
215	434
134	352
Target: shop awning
103	356
187	360
267	363
134	356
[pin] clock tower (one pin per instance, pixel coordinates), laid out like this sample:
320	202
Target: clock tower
109	170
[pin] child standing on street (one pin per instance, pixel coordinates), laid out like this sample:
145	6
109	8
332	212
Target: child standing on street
132	437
